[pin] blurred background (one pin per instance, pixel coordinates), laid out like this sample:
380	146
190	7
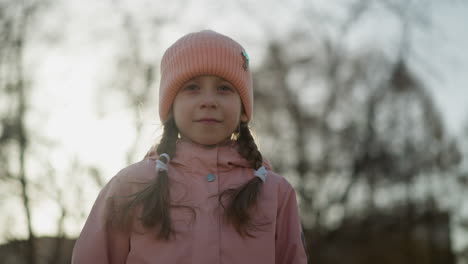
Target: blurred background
360	104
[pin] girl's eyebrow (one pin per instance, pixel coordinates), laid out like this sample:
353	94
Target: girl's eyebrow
225	81
191	81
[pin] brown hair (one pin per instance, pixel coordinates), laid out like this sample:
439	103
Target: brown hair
242	198
154	199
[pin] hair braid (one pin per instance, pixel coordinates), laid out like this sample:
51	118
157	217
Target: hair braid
245	196
247	147
155	197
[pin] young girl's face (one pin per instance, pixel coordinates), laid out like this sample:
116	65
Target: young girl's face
207	110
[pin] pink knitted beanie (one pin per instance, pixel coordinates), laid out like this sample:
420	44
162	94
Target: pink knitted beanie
204	53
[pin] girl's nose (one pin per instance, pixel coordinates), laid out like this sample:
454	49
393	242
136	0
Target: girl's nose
209	101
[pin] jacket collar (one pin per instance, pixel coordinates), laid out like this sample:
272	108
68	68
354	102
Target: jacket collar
223	156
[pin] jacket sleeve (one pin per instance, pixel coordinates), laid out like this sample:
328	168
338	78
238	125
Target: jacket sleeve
99	242
290	244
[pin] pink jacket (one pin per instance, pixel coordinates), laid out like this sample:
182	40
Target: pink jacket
205	239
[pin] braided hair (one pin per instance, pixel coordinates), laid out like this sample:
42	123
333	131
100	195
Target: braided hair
155	197
242	198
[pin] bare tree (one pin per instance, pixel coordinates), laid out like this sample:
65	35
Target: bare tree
19	143
136	71
351	128
16	19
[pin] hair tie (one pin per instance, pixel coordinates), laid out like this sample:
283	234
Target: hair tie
161	166
165	155
261	173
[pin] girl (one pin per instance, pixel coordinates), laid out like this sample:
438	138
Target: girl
204	194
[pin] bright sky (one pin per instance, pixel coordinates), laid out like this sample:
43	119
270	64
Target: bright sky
444	52
67	76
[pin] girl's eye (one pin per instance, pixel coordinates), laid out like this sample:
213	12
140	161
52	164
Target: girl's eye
225	88
191	87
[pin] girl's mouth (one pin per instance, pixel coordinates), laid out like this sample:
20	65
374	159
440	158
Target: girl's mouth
208	121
